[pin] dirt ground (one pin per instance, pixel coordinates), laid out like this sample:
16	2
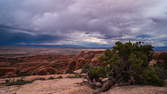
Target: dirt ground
72	86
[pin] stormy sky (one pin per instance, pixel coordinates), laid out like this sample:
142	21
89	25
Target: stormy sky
89	23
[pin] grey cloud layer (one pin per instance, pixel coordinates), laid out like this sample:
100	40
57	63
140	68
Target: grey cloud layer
90	21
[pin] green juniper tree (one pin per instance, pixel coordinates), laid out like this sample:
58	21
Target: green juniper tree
127	63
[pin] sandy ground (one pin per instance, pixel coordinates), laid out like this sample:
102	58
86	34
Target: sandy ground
72	86
137	90
58	86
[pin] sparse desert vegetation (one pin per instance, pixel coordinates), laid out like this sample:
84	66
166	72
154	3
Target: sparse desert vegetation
12	81
126	69
127	64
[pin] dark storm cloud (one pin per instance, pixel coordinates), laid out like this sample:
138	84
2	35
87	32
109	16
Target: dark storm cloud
13	37
85	22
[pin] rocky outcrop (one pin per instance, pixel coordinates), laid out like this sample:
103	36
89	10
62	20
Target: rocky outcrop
160	57
85	57
51	64
43	70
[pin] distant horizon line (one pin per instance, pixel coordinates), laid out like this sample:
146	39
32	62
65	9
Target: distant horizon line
164	48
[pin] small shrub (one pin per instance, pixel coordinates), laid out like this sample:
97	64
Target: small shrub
75	76
59	77
51	78
151	77
86	68
20	74
39	79
10	82
96	72
162	69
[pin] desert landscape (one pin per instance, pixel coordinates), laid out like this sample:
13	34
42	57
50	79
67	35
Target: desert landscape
56	64
48	61
83	47
58	72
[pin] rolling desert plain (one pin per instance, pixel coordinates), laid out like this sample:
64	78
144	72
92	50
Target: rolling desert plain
56	71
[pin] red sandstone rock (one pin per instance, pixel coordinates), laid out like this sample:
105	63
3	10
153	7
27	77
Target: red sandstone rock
47	64
51	64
